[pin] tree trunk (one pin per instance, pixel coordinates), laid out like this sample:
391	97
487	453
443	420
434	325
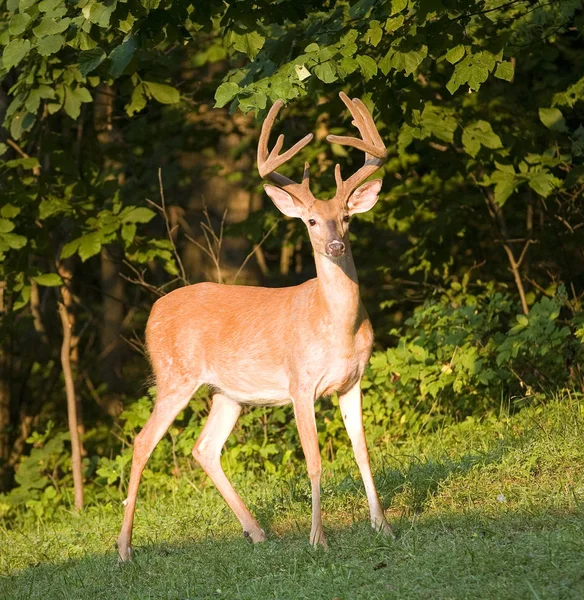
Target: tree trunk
5	390
112	290
71	405
112	285
65	270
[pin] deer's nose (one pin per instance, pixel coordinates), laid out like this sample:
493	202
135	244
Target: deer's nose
336	248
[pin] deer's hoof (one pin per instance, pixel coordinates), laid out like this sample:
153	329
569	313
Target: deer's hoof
318	539
125	553
384	528
255	536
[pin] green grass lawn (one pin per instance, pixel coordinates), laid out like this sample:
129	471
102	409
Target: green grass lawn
484	509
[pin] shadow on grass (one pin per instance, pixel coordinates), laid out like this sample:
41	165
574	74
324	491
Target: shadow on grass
414	480
445	556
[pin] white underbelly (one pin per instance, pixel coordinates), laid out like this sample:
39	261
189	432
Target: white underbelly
262	401
252	389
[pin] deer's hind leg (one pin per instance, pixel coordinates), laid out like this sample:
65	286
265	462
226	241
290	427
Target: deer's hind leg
207	452
171	399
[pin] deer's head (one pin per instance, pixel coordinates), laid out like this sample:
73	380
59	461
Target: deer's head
327	221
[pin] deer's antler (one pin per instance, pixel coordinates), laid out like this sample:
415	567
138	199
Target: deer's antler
370	143
268	161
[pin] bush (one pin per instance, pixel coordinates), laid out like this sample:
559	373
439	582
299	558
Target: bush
462	354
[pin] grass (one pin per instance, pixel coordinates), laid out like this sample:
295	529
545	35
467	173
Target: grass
484	509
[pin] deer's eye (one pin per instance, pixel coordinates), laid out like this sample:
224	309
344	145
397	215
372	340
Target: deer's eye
311	222
346	218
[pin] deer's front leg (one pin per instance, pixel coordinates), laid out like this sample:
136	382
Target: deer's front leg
350	404
306	424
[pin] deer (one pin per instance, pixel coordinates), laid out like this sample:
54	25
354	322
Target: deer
272	346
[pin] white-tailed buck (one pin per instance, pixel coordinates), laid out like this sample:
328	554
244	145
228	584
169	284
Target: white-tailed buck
265	346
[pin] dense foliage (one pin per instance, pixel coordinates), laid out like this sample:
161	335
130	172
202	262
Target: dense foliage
470	265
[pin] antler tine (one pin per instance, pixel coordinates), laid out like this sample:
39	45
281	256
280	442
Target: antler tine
268	161
370	143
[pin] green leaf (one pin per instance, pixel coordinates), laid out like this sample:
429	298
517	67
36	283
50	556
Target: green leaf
398	6
249	43
13	240
23	298
49	26
504	167
137	101
253	102
89	245
477	134
553	119
98	13
347	66
50	44
85	41
138	214
36	94
128	232
505	71
225	93
374	34
23	5
347	46
53	107
394	23
438	122
48	279
403	61
455	54
14	52
473	70
3	149
90	60
21	121
121	56
326	72
69	248
505	184
282	88
49	5
18	23
9	211
368	66
6	226
573	94
165	94
74	97
543	182
25	163
53	205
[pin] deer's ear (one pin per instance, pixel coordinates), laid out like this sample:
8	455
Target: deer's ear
364	197
284	201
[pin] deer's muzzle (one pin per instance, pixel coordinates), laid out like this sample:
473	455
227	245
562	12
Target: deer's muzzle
336	248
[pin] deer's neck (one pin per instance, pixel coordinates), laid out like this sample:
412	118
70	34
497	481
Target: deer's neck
338	288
